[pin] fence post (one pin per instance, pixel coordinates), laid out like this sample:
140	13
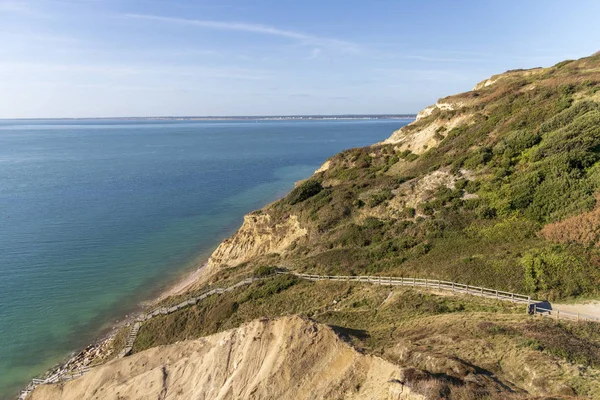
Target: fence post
379	279
453	286
439	284
467	288
496	294
426	283
557	314
414	282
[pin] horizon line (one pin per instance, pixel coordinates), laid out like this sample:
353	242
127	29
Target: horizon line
289	116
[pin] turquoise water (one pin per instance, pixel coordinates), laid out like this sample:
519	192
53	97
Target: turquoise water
96	216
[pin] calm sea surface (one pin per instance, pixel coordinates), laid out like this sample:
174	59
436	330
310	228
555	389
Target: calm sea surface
96	216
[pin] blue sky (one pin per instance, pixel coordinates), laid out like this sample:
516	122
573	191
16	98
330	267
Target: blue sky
99	58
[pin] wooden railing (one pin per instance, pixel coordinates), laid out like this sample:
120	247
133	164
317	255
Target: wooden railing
168	310
54	378
421	283
534	308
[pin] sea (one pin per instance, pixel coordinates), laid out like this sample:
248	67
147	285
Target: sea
97	216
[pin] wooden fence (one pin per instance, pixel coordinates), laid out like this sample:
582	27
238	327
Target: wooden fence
421	283
534	308
168	310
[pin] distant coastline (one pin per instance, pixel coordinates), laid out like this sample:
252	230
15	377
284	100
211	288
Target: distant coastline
229	118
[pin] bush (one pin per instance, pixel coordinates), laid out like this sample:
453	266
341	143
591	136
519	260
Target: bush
304	191
472	186
264	270
427	208
583	229
478	159
409	212
379	197
461	184
269	287
556	273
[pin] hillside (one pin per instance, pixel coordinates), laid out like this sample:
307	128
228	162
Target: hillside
496	187
493	187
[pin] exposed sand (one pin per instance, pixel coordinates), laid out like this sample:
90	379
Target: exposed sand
285	358
182	285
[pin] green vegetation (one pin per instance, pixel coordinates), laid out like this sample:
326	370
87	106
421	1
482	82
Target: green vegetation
304	191
528	156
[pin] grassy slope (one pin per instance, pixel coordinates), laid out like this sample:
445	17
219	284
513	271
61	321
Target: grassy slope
528	157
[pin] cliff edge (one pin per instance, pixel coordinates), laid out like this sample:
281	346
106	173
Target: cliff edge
285	358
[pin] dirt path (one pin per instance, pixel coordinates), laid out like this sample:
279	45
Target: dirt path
585	309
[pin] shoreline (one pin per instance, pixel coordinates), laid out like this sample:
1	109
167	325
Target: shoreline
100	349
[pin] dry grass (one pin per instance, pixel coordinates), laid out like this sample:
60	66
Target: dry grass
583	229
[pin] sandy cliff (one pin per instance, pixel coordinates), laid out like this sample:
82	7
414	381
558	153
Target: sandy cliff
286	358
258	235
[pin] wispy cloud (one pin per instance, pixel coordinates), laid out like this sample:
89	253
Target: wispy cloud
199	72
304	38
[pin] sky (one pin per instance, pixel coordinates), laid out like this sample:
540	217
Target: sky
119	58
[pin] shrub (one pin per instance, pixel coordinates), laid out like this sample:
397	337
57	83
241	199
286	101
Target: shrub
427	208
304	191
408	212
408	155
583	229
509	230
556	273
461	184
472	186
379	197
264	270
478	158
269	287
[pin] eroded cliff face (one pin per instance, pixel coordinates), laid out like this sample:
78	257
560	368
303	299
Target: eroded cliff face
426	131
258	235
286	358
